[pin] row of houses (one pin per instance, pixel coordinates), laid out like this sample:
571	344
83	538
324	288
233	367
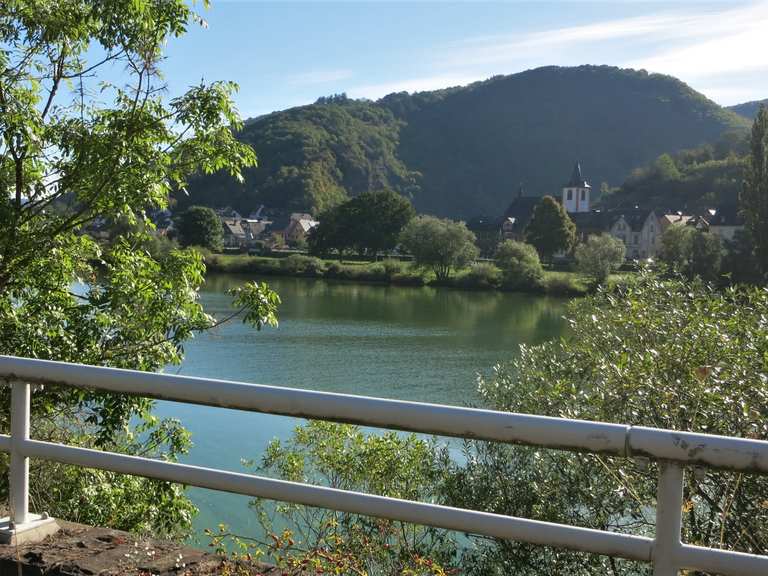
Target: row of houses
242	233
639	229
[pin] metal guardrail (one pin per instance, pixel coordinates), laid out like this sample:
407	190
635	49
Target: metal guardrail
672	449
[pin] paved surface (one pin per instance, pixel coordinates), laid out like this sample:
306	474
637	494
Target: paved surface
79	550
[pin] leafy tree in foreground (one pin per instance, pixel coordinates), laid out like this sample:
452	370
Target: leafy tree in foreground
200	226
599	256
754	198
520	265
442	245
67	159
693	360
346	458
550	230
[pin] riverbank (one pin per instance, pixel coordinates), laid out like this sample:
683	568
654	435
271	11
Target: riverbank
483	276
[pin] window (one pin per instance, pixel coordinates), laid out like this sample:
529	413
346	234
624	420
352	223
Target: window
636	238
570	194
583	195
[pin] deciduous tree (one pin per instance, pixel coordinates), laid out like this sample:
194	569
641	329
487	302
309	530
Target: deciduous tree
599	256
550	230
442	245
200	226
75	149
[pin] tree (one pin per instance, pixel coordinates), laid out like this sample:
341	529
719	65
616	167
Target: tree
200	226
550	230
754	197
692	360
599	256
691	252
68	158
379	219
369	224
519	264
442	245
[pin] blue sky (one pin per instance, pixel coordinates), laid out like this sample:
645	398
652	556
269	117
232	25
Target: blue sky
286	53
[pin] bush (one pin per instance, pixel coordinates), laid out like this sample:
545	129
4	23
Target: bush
692	360
562	284
300	265
599	256
393	267
441	245
482	276
520	265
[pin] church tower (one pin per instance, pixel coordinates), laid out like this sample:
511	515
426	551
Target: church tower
576	192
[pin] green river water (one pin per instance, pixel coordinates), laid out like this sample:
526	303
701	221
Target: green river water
421	344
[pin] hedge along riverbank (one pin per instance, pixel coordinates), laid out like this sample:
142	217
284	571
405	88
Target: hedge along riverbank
480	276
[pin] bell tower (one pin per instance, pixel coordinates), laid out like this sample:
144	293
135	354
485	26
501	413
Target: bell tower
576	192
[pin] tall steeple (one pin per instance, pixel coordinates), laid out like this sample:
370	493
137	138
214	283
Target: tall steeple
576	192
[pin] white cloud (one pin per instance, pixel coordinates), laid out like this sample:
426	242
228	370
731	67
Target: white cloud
315	77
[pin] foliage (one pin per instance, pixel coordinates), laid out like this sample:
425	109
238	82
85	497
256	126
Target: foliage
694	179
68	160
343	457
749	110
599	256
200	226
519	262
754	199
550	230
300	265
481	275
691	252
455	151
367	224
660	353
739	263
442	245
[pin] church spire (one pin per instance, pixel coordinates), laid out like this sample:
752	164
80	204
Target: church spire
577	179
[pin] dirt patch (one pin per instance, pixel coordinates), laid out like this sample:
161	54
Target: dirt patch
79	550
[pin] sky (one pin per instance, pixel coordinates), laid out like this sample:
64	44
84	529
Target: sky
287	53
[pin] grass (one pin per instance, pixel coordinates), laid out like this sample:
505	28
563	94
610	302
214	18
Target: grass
482	276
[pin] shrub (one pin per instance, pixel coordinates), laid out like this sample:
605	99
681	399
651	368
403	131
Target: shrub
599	256
300	265
520	265
562	284
692	360
481	275
393	267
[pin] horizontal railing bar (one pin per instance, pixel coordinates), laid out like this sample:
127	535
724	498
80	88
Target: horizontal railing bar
547	432
723	562
377	412
468	521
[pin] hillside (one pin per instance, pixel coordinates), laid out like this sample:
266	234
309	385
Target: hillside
748	109
463	151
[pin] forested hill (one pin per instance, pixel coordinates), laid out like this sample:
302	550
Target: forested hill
748	109
464	151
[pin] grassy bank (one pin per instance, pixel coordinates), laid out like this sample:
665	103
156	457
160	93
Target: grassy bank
482	276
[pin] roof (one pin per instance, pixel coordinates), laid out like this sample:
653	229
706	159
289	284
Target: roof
669	219
635	219
726	215
577	179
234	228
521	209
594	221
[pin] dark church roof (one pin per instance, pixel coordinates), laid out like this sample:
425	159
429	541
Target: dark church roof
577	179
593	222
521	209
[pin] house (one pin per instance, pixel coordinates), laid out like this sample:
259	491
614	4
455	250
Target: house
235	236
640	230
299	225
725	221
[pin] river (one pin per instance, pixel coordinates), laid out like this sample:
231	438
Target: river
423	344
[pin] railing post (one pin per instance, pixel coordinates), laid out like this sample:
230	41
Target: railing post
19	473
669	520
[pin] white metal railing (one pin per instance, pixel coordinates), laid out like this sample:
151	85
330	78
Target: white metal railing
672	449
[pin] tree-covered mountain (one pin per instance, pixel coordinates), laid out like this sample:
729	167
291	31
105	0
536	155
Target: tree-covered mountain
464	151
748	109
